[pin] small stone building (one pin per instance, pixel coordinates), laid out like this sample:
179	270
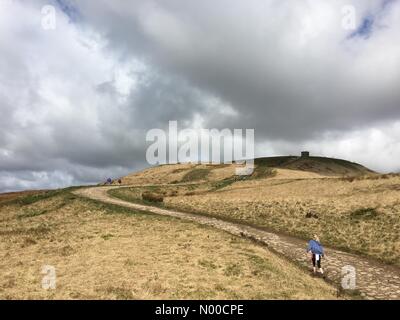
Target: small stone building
305	154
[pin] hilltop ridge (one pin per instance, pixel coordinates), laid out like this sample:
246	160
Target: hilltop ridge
265	167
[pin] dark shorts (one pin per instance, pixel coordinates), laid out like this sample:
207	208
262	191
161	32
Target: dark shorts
316	262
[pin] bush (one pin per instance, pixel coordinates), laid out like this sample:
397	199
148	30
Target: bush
364	214
152	197
311	215
195	175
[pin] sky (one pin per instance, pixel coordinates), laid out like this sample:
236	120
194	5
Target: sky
77	100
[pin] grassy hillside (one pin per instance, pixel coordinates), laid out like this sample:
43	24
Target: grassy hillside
351	207
320	165
103	251
264	168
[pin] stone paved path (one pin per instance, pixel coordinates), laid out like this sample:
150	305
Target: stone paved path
373	279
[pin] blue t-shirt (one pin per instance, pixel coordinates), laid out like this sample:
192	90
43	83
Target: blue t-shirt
315	247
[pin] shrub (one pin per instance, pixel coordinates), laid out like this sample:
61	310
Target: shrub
311	215
261	171
152	197
364	213
196	175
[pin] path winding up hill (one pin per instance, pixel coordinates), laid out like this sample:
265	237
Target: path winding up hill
373	280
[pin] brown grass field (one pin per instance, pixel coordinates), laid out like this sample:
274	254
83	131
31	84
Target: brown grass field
350	207
103	251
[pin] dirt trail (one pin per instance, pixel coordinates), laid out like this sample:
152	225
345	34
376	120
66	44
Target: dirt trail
373	279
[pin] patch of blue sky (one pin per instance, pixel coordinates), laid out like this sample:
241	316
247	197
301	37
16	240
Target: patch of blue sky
364	30
366	27
69	9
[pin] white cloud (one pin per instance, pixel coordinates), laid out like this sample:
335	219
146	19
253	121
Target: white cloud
377	148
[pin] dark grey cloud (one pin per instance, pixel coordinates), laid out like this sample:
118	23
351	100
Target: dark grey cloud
287	73
76	102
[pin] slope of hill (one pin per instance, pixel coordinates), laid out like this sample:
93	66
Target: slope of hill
321	165
104	251
350	206
277	167
181	173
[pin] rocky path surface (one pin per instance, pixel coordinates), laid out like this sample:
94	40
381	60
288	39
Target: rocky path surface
373	280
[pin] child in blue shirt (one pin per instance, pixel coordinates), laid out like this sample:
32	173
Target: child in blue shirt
317	251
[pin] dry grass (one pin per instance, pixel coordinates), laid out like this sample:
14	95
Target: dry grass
283	205
312	167
302	203
108	252
179	173
14	196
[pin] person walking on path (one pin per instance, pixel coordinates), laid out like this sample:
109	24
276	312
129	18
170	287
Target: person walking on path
316	251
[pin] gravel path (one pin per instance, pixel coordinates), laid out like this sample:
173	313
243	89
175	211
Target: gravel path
373	280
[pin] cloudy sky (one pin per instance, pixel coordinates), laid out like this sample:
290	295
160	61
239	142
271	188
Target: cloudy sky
77	100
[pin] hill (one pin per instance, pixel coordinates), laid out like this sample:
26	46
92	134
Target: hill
349	205
105	251
268	167
321	165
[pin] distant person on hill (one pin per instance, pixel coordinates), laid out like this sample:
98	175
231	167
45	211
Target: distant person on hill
317	252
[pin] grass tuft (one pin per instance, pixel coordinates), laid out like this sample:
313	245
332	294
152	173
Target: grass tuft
364	214
196	175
